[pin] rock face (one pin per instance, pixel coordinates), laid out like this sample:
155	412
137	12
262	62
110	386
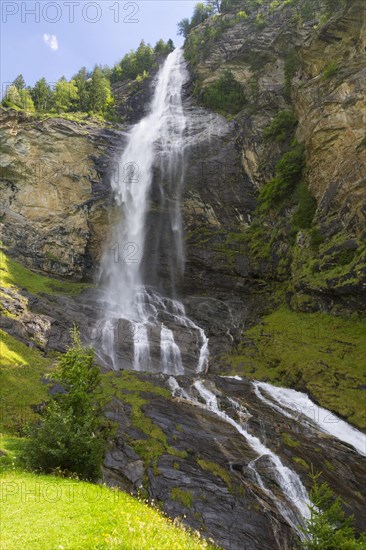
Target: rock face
205	474
317	70
54	185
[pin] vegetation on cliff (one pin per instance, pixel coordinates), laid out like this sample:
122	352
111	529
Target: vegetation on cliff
320	354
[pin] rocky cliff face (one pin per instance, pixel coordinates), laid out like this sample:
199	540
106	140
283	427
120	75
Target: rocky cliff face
315	69
54	192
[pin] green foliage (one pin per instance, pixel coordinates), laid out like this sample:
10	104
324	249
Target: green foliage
289	441
292	64
19	83
288	174
281	127
201	12
184	27
42	96
260	21
100	97
328	527
216	470
135	63
15	274
303	217
65	95
18	99
162	48
225	95
329	71
74	432
81	81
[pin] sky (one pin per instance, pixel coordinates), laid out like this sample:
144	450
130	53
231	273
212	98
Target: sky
56	38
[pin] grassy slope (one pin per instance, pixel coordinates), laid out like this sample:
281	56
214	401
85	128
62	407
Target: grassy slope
315	352
13	273
20	384
46	512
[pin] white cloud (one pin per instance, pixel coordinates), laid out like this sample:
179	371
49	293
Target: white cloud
51	41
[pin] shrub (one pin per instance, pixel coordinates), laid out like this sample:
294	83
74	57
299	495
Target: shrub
225	95
73	434
292	63
288	173
305	212
281	127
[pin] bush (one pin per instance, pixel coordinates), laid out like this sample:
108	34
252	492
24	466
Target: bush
305	212
281	127
74	432
288	174
225	95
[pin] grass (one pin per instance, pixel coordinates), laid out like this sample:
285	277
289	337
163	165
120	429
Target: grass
13	273
312	352
126	385
216	470
20	384
46	512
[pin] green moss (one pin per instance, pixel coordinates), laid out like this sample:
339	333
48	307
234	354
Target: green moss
15	274
216	470
329	71
20	383
301	462
127	386
314	352
289	441
183	496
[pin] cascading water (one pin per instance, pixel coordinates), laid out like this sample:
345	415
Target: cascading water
295	404
142	329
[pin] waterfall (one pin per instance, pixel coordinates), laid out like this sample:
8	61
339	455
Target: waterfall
295	404
143	328
295	508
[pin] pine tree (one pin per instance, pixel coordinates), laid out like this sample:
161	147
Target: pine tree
19	82
80	80
42	95
73	436
328	527
100	97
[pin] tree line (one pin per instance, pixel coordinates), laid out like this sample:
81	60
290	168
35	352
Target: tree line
208	8
87	91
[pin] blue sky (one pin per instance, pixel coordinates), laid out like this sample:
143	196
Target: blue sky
56	38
